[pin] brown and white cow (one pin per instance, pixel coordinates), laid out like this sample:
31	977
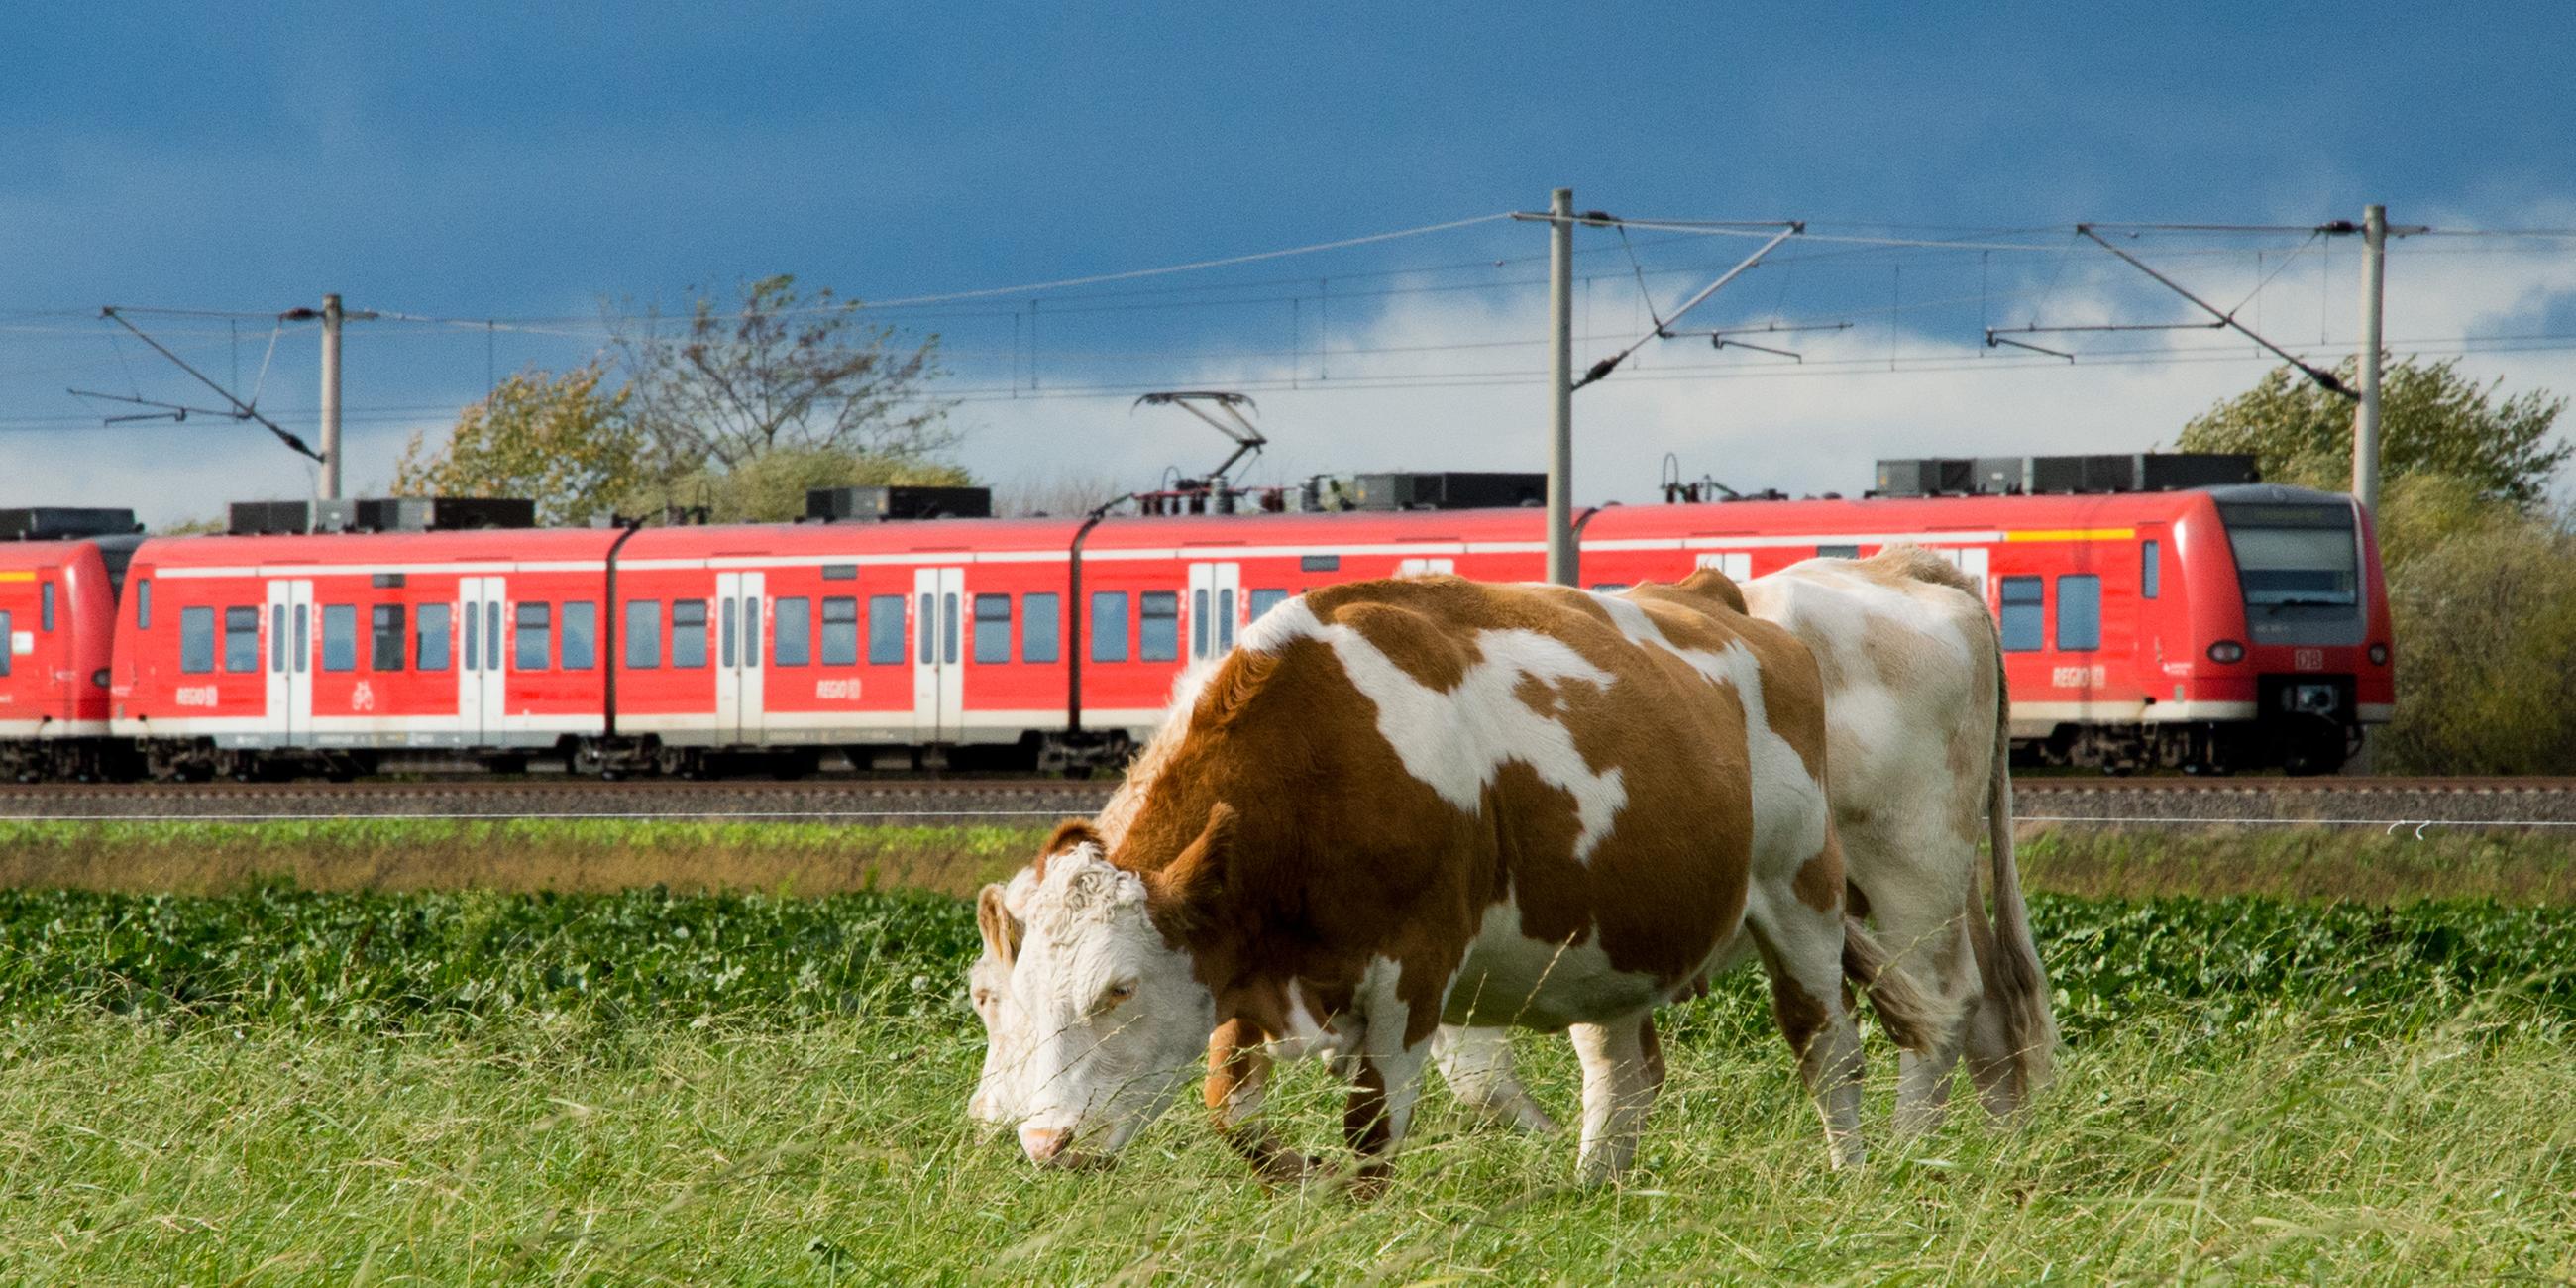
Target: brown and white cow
1917	718
1403	803
1915	712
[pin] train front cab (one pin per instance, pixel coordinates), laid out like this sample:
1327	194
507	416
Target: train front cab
57	615
2288	624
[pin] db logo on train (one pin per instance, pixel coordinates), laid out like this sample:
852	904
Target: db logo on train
2308	659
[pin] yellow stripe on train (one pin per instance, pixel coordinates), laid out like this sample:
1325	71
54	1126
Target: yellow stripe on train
17	576
2072	534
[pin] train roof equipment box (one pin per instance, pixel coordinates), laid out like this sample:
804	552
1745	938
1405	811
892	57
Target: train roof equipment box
268	518
900	501
1927	476
423	514
2063	475
64	523
1449	491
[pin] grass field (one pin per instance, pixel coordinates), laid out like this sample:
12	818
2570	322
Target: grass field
272	1083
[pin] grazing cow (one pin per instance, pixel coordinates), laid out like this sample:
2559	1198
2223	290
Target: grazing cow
1918	732
1403	803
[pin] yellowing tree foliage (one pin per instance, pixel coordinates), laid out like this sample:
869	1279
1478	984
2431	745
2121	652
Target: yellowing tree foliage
555	439
2433	420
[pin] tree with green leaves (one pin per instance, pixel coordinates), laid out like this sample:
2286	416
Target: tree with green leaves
553	438
721	387
2433	420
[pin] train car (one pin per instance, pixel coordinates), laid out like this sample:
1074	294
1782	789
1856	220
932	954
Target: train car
2208	629
57	613
2215	628
257	655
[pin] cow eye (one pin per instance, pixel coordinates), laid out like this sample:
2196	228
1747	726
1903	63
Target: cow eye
1115	995
983	998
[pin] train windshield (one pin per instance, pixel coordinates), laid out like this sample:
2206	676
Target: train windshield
2293	556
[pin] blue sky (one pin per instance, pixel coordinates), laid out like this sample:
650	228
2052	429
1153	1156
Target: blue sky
470	161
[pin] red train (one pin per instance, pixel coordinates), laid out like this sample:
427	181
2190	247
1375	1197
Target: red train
2208	629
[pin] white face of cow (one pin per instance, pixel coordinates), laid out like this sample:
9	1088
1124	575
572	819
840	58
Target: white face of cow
1114	1018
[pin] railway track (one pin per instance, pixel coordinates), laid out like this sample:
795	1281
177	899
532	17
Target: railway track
2348	801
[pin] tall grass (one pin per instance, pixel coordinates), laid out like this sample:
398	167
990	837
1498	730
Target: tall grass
2387	1145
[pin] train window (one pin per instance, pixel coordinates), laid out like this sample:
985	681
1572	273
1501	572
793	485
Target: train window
1319	563
841	630
580	650
473	639
1838	552
492	635
531	636
643	634
303	638
2022	628
429	645
751	630
948	624
241	640
143	604
2079	612
688	632
927	626
840	572
1158	626
196	640
1039	629
992	629
1224	619
885	629
726	650
1199	620
2149	571
1609	587
184	654
385	638
791	630
45	607
1265	600
276	639
1109	626
339	637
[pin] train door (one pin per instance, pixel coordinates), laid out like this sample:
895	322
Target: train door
290	660
938	670
738	691
1215	590
480	694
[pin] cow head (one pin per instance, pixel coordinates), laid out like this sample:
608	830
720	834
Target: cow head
1115	1012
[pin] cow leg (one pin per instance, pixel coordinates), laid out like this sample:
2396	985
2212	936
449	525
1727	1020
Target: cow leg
1477	1065
1384	1086
1237	1084
1802	953
1620	1078
1935	954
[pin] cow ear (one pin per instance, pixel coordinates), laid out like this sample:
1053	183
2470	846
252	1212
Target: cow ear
1184	896
1068	834
1001	929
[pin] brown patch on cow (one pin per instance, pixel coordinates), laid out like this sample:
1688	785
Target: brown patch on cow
1819	883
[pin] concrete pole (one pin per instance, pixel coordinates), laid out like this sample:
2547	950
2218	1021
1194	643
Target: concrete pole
329	485
2365	418
1561	567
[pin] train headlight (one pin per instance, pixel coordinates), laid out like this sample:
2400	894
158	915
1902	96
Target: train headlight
2227	651
2379	655
99	677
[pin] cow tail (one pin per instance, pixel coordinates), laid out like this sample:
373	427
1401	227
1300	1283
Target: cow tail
2016	984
